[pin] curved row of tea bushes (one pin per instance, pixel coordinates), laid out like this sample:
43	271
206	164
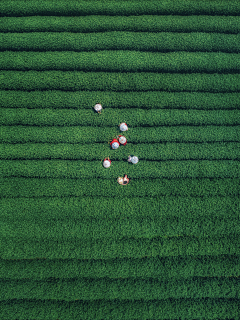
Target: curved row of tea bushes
31	248
119	40
89	228
77	134
112	117
122	289
155	268
145	169
68	190
146	100
142	23
17	8
121	61
124	309
142	81
172	207
89	152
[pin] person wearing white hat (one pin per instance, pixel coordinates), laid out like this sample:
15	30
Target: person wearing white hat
114	144
98	107
133	159
123	126
106	162
122	140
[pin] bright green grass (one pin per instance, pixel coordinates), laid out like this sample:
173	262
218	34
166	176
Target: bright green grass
117	40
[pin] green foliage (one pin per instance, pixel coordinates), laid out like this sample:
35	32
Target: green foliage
17	8
145	100
73	248
78	134
74	244
68	226
59	188
206	308
121	289
121	40
121	61
144	169
147	267
145	151
143	23
112	117
142	81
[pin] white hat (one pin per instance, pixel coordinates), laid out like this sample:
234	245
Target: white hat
122	139
115	145
134	159
106	163
98	107
123	126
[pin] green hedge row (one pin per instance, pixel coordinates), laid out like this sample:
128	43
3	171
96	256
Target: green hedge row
125	309
76	134
144	169
89	228
143	23
37	187
119	40
112	117
148	267
170	207
121	289
76	8
31	248
143	81
120	100
168	151
121	61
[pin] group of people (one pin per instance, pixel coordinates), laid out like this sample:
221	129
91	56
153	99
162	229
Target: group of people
115	143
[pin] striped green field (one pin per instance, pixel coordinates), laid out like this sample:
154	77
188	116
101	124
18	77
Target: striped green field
74	244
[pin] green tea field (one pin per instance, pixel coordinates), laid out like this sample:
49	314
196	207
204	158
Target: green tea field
74	243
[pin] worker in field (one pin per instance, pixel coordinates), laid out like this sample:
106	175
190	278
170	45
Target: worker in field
107	162
98	108
133	159
123	180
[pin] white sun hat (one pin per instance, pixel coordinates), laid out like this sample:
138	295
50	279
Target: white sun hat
133	159
106	163
98	107
122	140
123	126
